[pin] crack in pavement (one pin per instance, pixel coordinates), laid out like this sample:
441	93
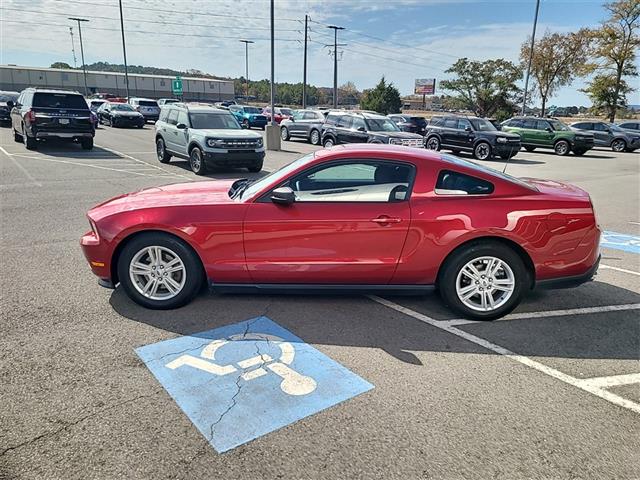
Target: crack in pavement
68	425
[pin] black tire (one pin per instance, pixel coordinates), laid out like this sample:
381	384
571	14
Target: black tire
529	149
579	153
432	143
448	277
562	148
255	168
113	122
30	143
455	152
161	151
192	264
618	145
284	133
482	151
17	137
314	137
329	142
141	125
196	161
87	143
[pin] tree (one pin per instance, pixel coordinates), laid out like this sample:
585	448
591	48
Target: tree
485	87
383	98
616	44
61	65
349	94
557	59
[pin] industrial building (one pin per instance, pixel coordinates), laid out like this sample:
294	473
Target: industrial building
17	78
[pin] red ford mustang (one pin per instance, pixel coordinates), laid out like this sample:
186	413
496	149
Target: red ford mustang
368	218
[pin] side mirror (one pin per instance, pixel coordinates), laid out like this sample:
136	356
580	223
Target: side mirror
362	129
10	104
181	126
467	129
283	196
549	129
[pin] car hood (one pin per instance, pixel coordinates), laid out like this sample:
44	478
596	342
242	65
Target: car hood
397	134
214	192
123	113
228	133
500	133
551	187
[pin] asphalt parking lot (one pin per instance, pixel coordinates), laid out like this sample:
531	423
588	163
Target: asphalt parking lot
550	392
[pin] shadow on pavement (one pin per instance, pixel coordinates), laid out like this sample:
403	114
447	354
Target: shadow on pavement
68	149
356	321
220	174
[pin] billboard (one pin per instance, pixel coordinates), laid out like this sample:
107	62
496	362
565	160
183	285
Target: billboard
425	86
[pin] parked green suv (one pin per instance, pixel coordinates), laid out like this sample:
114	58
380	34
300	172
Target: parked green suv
548	133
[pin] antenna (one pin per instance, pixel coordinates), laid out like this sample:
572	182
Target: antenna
73	48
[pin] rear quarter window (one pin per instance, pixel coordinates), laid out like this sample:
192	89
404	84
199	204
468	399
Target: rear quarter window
451	182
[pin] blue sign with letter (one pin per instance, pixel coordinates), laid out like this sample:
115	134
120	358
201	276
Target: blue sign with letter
620	241
239	382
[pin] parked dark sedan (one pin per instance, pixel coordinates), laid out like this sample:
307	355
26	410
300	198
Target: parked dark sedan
5	110
408	123
610	135
305	124
120	115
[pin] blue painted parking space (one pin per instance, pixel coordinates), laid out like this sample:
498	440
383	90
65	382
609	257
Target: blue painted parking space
620	241
241	381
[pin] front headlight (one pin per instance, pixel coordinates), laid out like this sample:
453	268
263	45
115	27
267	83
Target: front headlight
395	141
259	143
214	142
501	139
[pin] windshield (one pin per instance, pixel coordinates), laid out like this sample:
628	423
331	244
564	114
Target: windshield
482	125
5	97
208	120
481	168
286	111
381	125
558	125
251	110
122	107
275	177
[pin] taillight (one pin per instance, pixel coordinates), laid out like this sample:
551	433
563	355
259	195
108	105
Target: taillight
30	116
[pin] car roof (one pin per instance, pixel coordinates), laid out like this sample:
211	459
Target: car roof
142	98
52	90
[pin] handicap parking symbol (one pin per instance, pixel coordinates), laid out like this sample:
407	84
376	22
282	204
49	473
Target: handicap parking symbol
620	241
239	382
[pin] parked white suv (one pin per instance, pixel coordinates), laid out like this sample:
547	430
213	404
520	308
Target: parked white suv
149	108
208	137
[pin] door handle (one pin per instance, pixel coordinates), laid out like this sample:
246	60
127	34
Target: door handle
386	220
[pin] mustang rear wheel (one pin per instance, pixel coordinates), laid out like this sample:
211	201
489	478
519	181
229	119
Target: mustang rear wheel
483	281
159	271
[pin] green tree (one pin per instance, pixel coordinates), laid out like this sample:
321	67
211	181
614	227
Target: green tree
616	43
383	98
486	87
557	59
61	65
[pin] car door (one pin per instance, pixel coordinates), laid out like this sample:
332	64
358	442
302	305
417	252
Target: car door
342	128
449	131
601	134
296	126
347	226
463	135
308	119
170	131
358	131
181	134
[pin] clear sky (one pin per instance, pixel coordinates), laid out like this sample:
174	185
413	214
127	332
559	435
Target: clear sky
400	39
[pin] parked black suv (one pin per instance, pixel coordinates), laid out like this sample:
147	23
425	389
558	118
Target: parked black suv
349	127
43	113
470	134
408	123
5	111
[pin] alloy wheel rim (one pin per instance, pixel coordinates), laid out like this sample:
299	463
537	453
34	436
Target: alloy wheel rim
432	144
315	136
160	149
283	133
328	143
485	284
561	148
618	146
157	273
196	162
482	151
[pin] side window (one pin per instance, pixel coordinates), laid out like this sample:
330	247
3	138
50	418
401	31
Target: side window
436	121
332	119
451	123
345	121
356	181
463	123
172	117
599	127
163	114
183	118
529	123
455	183
358	123
514	123
542	125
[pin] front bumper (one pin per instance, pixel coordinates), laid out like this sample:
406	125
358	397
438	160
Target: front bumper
582	144
97	255
150	117
231	159
506	148
129	122
258	123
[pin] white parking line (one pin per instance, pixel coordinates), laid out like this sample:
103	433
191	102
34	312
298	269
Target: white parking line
22	169
617	269
613	381
552	372
99	167
143	162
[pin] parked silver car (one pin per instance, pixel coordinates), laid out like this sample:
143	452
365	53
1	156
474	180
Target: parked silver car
208	137
610	135
305	124
149	108
633	126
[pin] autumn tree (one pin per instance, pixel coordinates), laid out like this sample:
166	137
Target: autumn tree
558	58
487	87
615	47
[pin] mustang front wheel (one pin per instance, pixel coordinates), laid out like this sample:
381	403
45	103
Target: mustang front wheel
159	271
483	281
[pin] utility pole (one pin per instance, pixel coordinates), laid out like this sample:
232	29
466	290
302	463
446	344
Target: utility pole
124	51
246	65
335	63
84	67
272	130
533	39
73	48
304	74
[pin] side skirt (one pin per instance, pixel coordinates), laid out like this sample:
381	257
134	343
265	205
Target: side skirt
318	289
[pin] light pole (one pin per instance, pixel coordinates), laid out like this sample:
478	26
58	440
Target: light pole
533	39
124	51
335	63
304	73
272	130
84	67
246	65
